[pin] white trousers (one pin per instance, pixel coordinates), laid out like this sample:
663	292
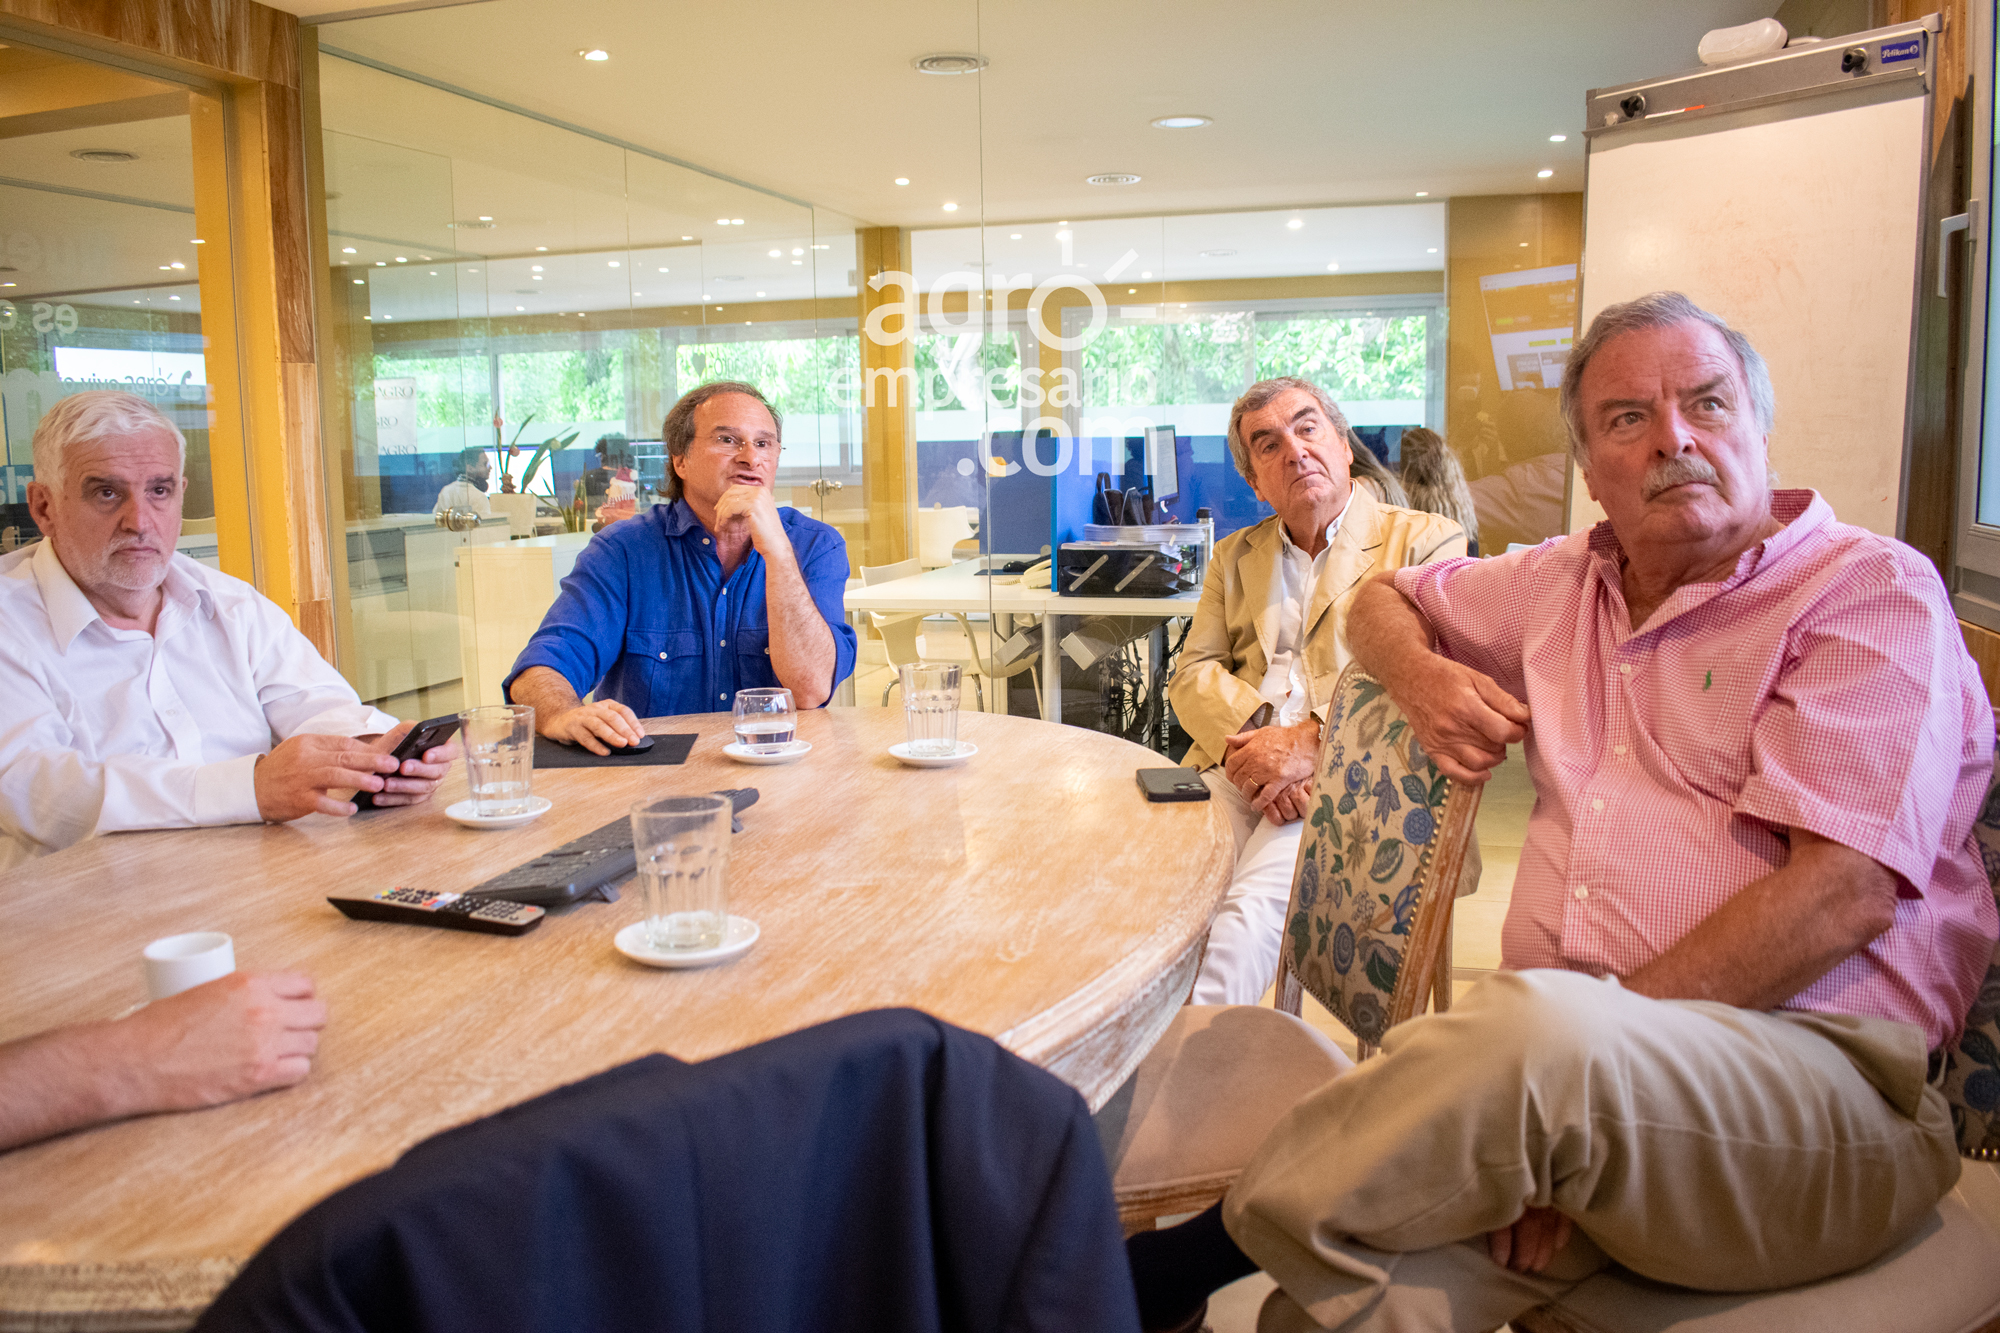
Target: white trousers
1242	955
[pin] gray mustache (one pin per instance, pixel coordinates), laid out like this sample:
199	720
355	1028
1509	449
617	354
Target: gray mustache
1673	472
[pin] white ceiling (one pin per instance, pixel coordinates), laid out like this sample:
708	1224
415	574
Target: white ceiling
1314	102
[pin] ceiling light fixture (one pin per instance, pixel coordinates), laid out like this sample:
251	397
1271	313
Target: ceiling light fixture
687	238
1295	224
402	259
663	270
1145	277
595	54
950	63
902	180
797	251
777	254
173	298
1423	194
1545	173
613	263
347	250
540	249
484	217
798	261
361	282
1014	236
1333	267
1112	178
822	247
103	155
197	241
520	307
534	268
381	263
1558	138
1181	122
1433	250
760	293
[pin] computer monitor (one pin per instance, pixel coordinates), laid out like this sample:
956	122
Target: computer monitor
1161	464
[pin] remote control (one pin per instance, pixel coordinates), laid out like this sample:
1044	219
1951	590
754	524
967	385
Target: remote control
452	911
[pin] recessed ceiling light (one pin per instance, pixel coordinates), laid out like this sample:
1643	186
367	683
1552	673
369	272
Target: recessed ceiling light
736	222
951	208
484	217
613	263
369	318
166	268
950	63
687	238
381	263
173	298
176	298
1558	138
1112	178
706	297
1181	122
534	268
1145	277
797	251
1217	254
402	259
534	277
822	247
434	273
902	180
103	155
777	254
540	249
1295	224
798	261
595	54
760	293
1063	223
1014	236
520	307
472	270
1545	173
663	270
177	264
1423	194
361	282
197	241
1433	250
1524	245
1131	291
347	250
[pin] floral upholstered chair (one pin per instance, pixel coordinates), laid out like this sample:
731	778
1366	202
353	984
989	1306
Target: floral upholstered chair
1368	933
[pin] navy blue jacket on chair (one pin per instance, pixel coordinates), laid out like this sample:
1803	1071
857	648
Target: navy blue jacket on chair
881	1173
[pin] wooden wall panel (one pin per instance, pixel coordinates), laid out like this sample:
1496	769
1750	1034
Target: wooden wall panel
235	39
889	433
1984	645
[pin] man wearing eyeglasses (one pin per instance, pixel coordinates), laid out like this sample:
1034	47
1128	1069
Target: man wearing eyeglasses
716	591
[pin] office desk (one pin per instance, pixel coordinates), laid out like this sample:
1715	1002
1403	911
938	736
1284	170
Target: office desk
1030	894
961	587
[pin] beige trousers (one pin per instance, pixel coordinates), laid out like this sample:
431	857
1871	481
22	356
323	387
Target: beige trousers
1695	1143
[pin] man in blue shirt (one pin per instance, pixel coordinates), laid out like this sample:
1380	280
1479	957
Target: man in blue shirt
675	610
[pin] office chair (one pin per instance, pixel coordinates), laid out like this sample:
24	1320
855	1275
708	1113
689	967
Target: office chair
903	640
882	1172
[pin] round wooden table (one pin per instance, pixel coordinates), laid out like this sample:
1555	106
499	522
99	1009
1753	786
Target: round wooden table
1031	894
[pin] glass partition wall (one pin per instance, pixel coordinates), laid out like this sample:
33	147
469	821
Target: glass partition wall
957	379
515	307
101	263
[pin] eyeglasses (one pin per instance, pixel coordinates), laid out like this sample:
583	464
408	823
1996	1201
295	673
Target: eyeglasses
730	442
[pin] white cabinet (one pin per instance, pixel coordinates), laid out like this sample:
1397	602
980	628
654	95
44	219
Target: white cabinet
504	591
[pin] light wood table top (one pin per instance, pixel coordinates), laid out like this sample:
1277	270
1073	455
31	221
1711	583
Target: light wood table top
1030	894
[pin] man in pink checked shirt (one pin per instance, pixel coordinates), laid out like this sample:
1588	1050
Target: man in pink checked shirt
1747	910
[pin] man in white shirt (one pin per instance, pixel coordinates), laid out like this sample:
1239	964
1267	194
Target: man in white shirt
145	690
1266	648
467	492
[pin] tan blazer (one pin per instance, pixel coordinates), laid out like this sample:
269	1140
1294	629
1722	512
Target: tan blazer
1215	686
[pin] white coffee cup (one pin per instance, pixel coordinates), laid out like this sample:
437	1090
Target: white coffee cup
181	962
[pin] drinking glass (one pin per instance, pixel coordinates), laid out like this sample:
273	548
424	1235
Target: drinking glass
766	720
682	845
930	708
499	743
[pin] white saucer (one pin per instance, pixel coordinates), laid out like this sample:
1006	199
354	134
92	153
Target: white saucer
794	750
741	933
462	813
965	751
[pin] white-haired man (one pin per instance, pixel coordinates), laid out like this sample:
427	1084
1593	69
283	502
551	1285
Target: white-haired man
1266	647
1748	907
145	690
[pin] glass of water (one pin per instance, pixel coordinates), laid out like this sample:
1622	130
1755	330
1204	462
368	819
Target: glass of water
682	844
766	720
499	743
930	707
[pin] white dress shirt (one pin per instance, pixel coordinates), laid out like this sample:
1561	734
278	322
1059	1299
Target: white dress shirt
463	495
108	729
1285	687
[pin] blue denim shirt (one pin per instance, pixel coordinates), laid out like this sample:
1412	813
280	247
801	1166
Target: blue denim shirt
647	618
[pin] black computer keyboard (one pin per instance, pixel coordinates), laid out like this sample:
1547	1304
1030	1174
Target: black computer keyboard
588	866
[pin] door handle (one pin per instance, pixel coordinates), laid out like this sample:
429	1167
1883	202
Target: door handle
1957	222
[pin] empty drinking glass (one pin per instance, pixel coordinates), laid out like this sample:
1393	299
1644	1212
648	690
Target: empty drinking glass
766	720
930	708
499	743
682	845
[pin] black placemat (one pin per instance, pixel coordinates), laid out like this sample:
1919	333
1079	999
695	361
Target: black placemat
666	750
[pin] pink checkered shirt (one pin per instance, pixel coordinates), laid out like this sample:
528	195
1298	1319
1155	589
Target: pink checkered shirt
1823	685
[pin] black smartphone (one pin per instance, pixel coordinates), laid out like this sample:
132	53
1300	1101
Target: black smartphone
436	731
1172	784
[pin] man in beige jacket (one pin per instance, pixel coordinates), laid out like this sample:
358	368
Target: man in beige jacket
1267	646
